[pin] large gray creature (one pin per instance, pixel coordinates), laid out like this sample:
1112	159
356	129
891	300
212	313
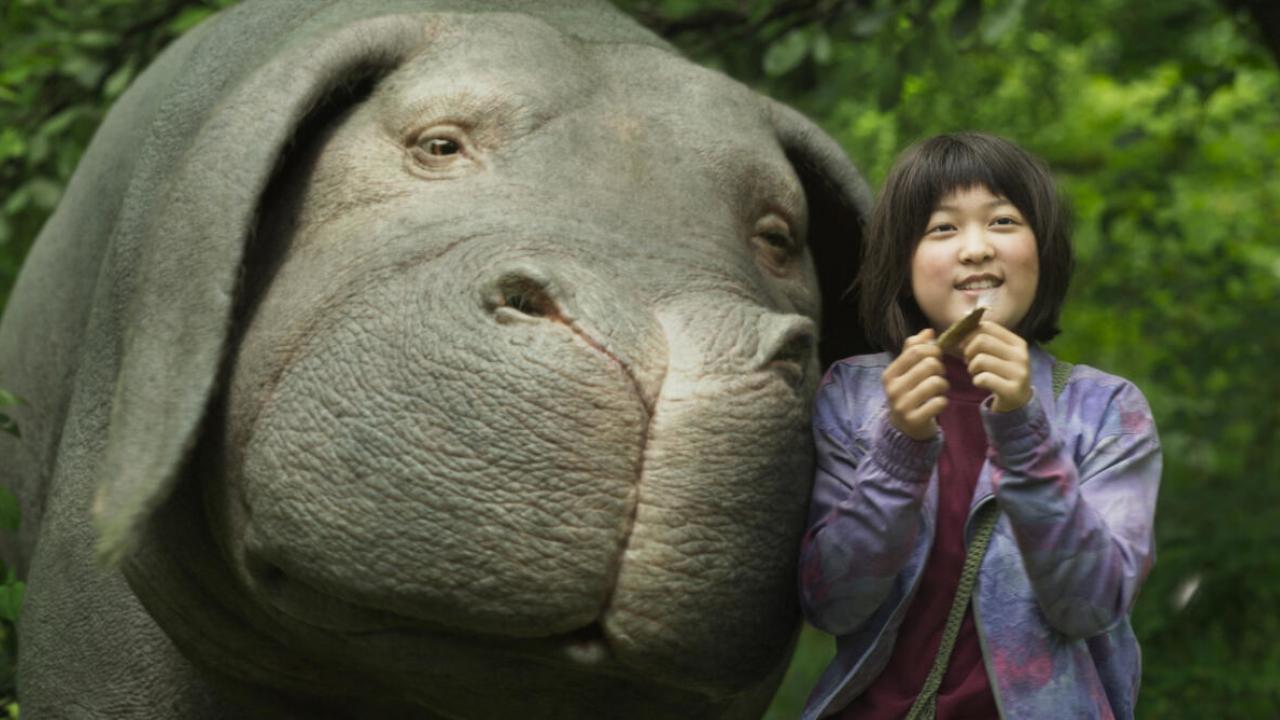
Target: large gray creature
424	359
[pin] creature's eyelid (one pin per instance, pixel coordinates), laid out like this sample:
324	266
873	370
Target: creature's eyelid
777	224
448	125
468	111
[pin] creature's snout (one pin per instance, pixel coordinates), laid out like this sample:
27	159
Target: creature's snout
722	334
788	344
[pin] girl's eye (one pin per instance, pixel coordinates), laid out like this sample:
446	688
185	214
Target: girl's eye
940	228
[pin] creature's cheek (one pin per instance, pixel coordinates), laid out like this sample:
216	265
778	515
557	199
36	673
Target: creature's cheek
442	467
726	475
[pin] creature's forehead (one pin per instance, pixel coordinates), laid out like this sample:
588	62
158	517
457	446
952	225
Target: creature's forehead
522	60
534	96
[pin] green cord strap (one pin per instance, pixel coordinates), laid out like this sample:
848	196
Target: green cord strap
926	702
985	522
1061	371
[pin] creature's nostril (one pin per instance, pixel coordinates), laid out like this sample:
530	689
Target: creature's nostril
796	349
526	295
269	575
787	346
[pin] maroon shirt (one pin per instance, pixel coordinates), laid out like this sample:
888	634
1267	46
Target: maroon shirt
965	691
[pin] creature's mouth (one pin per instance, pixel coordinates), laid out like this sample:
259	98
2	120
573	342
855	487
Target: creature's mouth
586	648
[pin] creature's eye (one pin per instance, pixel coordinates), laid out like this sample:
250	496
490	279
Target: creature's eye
778	240
438	146
441	151
775	244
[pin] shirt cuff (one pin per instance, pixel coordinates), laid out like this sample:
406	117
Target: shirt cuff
1016	434
902	456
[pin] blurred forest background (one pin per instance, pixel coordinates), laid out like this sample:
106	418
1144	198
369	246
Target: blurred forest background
1162	121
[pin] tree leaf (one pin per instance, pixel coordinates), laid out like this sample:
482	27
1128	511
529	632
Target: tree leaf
189	18
12	144
10	515
822	50
118	81
11	600
8	399
966	19
45	193
786	53
84	70
995	26
871	23
96	39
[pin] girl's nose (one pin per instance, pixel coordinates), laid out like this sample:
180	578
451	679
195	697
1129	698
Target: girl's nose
974	247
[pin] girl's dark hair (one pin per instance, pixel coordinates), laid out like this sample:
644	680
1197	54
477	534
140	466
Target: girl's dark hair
920	178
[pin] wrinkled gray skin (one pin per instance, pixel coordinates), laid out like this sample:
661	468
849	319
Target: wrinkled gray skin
424	360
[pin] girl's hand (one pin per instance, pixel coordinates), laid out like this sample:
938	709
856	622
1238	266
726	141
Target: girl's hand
999	362
915	386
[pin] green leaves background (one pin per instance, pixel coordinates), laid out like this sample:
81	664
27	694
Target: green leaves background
1162	120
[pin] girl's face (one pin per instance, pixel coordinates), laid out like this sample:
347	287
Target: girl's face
975	241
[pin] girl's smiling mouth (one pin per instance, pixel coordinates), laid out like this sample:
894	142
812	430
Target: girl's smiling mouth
977	283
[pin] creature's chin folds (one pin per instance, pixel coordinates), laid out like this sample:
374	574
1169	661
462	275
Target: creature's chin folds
403	650
328	612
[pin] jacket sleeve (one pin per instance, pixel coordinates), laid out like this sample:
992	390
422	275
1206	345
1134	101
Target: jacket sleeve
864	516
1085	532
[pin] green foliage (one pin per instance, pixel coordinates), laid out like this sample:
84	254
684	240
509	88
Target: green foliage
7	424
11	588
1162	119
64	63
11	592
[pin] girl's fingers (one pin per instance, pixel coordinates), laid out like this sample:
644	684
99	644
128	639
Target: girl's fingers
992	382
927	367
996	339
923	336
1006	392
927	411
915	386
998	330
918	396
1009	394
910	358
1007	369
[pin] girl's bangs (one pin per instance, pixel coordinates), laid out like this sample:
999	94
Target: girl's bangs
948	164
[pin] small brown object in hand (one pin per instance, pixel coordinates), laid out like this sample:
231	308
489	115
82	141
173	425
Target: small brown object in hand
951	337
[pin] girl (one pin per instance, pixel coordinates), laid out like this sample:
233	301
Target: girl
921	453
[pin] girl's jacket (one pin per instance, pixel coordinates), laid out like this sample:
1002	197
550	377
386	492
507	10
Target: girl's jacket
1076	482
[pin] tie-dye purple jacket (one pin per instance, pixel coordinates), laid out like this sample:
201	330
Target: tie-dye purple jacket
1076	481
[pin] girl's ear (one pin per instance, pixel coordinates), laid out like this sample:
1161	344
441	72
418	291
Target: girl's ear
839	207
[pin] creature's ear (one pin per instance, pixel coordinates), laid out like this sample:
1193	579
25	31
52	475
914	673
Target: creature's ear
218	134
839	205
